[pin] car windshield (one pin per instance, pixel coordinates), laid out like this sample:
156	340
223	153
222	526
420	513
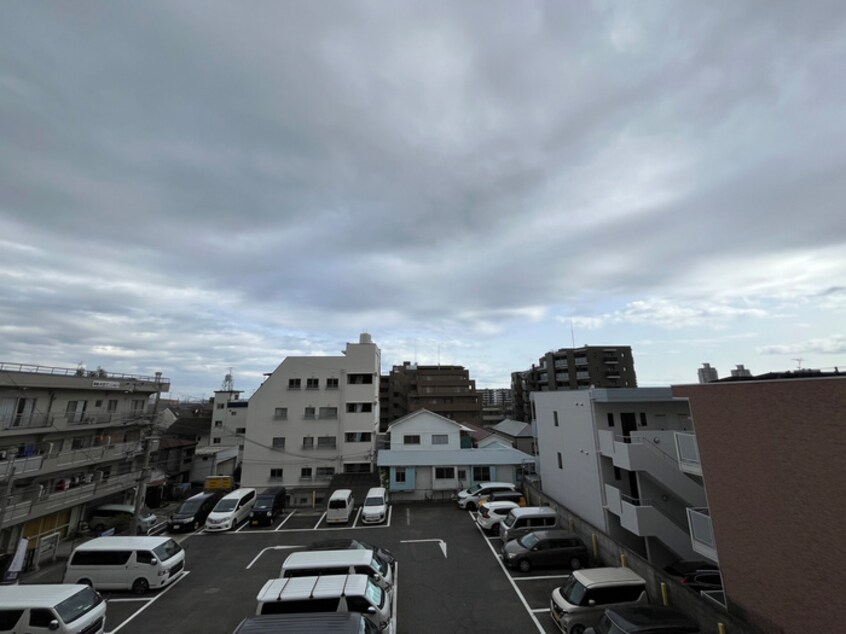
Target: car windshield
190	506
225	505
509	520
81	603
528	540
373	501
167	550
573	591
264	503
474	489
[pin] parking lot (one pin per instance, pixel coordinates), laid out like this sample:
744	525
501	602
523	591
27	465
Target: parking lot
449	576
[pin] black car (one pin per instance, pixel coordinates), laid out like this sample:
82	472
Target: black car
193	512
353	544
269	504
643	619
545	549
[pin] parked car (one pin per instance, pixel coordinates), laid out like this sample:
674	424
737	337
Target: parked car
469	498
703	580
375	507
351	544
492	513
545	549
682	567
193	512
119	517
269	504
643	619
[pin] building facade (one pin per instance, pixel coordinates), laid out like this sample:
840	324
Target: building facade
609	456
771	450
312	418
447	390
70	439
572	369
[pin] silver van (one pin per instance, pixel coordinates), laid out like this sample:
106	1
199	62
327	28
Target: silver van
332	593
525	520
583	598
340	507
65	609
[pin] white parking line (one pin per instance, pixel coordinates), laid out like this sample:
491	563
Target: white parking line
320	520
542	610
125	600
396	590
264	550
511	581
289	516
184	574
357	515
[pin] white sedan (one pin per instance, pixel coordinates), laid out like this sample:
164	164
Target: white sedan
492	513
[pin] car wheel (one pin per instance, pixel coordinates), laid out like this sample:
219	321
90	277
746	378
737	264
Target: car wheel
524	565
575	563
140	586
578	628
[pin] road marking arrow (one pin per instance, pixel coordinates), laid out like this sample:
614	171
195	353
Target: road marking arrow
441	543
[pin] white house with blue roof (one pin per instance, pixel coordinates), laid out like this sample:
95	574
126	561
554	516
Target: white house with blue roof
426	458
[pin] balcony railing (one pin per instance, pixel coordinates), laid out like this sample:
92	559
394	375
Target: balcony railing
82	372
688	452
23	423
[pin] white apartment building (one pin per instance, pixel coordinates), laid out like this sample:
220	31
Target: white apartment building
312	418
609	455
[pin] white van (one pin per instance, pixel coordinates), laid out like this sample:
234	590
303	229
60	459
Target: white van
524	520
231	510
339	562
119	517
375	507
469	498
340	507
332	593
583	598
126	563
66	609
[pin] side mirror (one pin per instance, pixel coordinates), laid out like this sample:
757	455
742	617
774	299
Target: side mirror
54	624
371	610
154	561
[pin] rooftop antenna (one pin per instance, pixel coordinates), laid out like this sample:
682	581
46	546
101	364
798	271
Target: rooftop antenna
798	363
228	382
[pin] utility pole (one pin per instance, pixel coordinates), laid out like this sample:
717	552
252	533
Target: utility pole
141	487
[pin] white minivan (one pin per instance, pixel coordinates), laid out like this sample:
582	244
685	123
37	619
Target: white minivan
308	563
126	563
375	507
61	608
340	507
231	510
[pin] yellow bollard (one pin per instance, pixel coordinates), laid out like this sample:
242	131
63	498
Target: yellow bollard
624	561
665	595
595	541
721	628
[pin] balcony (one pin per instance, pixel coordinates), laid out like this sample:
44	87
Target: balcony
32	504
49	463
688	452
702	532
25	424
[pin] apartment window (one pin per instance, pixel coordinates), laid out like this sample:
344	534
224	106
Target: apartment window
325	472
280	413
220	405
555	418
276	474
444	473
309	413
241	430
358	436
354	408
399	474
440	439
137	405
294	384
218	424
332	383
278	442
305	472
560	462
216	441
359	379
357	467
308	442
326	442
411	439
312	384
328	412
112	405
462	474
617	474
610	419
643	419
481	474
98	403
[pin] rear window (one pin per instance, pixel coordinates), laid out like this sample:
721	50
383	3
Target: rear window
303	605
337	504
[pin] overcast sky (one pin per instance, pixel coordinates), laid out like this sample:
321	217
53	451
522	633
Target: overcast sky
194	186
